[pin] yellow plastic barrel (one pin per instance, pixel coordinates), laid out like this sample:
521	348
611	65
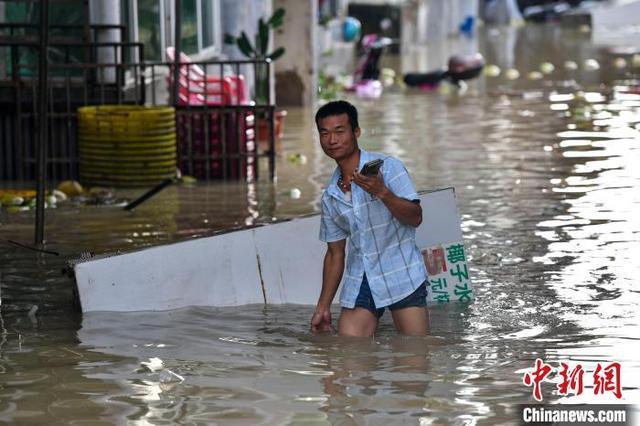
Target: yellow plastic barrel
126	145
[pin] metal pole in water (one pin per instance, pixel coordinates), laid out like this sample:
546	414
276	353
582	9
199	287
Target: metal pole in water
42	120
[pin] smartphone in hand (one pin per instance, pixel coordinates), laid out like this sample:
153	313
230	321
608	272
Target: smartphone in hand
371	168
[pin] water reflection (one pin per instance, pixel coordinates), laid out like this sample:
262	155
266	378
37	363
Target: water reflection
598	240
44	376
266	358
369	378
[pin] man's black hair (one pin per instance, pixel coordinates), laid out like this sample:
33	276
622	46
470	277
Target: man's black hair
338	108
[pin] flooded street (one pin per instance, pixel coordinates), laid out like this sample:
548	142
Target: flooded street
548	186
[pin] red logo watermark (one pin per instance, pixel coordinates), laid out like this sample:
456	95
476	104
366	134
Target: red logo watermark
606	378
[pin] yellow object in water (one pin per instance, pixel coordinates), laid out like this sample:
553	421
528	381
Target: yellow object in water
512	74
547	67
492	70
126	145
24	193
535	75
17	209
444	89
11	200
70	188
299	159
189	180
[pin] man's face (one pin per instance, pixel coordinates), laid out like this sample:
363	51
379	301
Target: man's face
337	138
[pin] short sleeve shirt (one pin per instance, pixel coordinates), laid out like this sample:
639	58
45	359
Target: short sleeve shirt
379	245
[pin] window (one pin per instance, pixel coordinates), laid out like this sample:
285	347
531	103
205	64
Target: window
150	28
65	23
200	27
155	26
211	31
189	40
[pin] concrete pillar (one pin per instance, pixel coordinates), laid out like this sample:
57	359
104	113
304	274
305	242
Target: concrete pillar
296	71
106	12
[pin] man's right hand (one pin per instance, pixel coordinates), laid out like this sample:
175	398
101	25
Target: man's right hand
321	321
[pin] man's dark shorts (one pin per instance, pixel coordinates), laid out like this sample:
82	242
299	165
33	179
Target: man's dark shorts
365	300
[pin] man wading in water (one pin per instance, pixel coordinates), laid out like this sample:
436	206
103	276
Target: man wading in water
379	214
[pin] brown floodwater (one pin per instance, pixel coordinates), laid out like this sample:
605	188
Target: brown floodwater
548	188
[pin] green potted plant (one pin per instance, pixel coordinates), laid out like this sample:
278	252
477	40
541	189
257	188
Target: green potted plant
259	50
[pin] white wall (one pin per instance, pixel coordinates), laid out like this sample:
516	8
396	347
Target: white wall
274	264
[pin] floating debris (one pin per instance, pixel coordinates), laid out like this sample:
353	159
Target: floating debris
17	209
299	159
512	74
154	364
98	196
17	200
71	188
388	77
462	87
372	89
50	200
295	193
188	180
591	65
535	75
492	71
11	200
620	63
444	89
570	65
168	376
60	196
582	113
547	67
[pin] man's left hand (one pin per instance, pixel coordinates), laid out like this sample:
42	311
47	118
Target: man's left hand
374	185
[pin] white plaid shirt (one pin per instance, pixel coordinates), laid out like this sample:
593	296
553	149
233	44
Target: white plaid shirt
379	245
